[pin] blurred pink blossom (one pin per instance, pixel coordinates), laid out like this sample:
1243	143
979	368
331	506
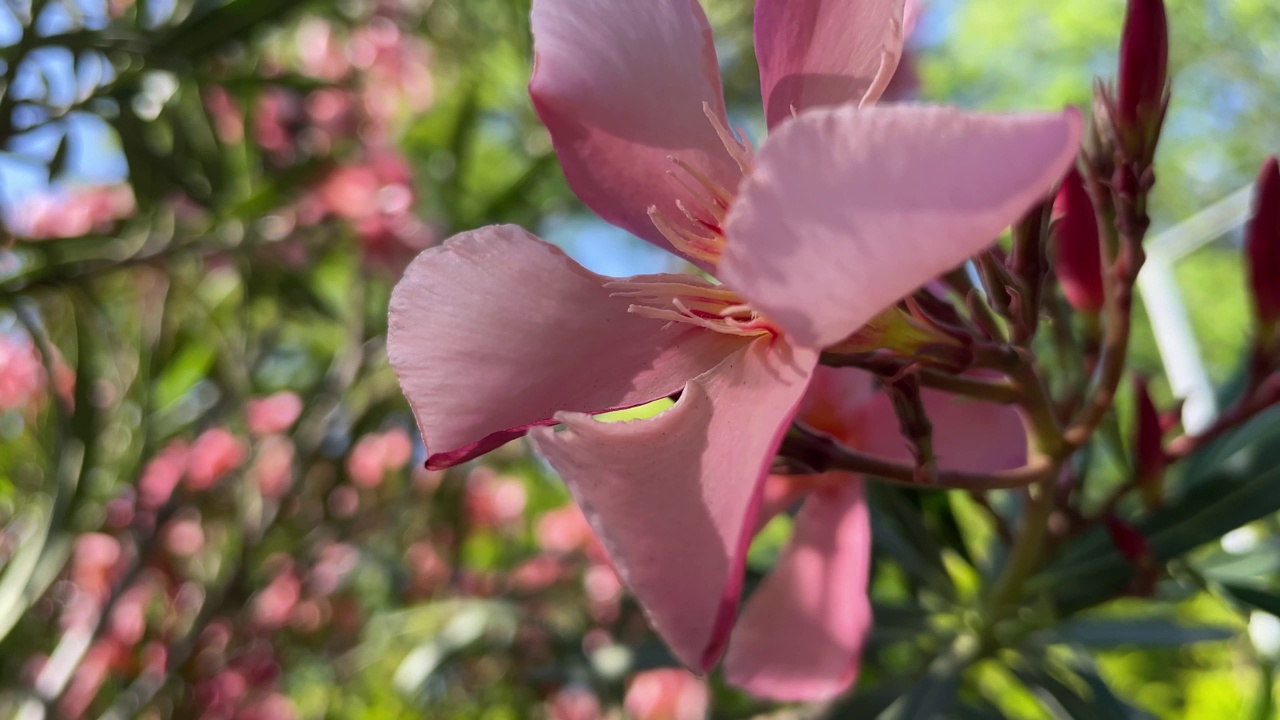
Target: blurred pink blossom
536	574
376	454
128	622
21	372
272	467
272	706
88	679
214	454
183	536
95	562
162	475
563	530
494	500
428	570
274	604
668	694
273	414
377	197
72	213
574	703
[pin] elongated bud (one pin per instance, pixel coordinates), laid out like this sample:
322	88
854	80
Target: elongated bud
1077	253
1148	446
1144	61
1142	89
1262	249
1134	546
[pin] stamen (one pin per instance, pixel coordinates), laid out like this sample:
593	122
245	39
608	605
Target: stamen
699	247
738	150
706	306
706	202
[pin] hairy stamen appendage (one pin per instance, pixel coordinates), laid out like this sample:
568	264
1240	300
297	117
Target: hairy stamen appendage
686	301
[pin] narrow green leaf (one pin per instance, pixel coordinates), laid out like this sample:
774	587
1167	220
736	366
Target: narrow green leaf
1144	632
1257	598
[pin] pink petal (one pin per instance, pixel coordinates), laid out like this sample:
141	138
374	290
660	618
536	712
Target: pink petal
800	636
967	434
497	330
850	209
673	498
621	87
814	53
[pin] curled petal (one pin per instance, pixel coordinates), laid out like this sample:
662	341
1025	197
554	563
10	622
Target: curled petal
814	53
800	636
674	497
496	331
621	87
850	209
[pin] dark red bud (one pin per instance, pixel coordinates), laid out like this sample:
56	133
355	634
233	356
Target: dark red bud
1128	541
1144	62
1077	253
1262	243
1148	445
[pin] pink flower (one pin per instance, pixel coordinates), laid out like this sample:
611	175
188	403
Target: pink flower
73	213
494	500
563	530
844	211
162	475
214	454
273	414
273	605
574	704
377	454
22	375
822	574
272	468
668	694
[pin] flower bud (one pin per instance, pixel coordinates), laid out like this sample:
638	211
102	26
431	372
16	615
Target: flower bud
1148	446
896	331
1262	247
1076	249
1144	63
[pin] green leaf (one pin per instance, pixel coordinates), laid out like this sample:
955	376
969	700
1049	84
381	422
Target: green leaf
58	165
933	698
1145	632
898	529
1081	697
189	366
1257	598
1093	571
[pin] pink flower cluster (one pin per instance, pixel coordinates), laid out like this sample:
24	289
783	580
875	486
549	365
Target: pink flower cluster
73	212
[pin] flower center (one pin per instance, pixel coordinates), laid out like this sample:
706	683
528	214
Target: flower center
703	237
687	299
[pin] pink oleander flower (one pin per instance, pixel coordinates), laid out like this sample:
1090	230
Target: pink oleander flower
376	454
73	213
214	454
801	633
22	375
162	474
574	703
273	414
272	467
842	212
667	694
